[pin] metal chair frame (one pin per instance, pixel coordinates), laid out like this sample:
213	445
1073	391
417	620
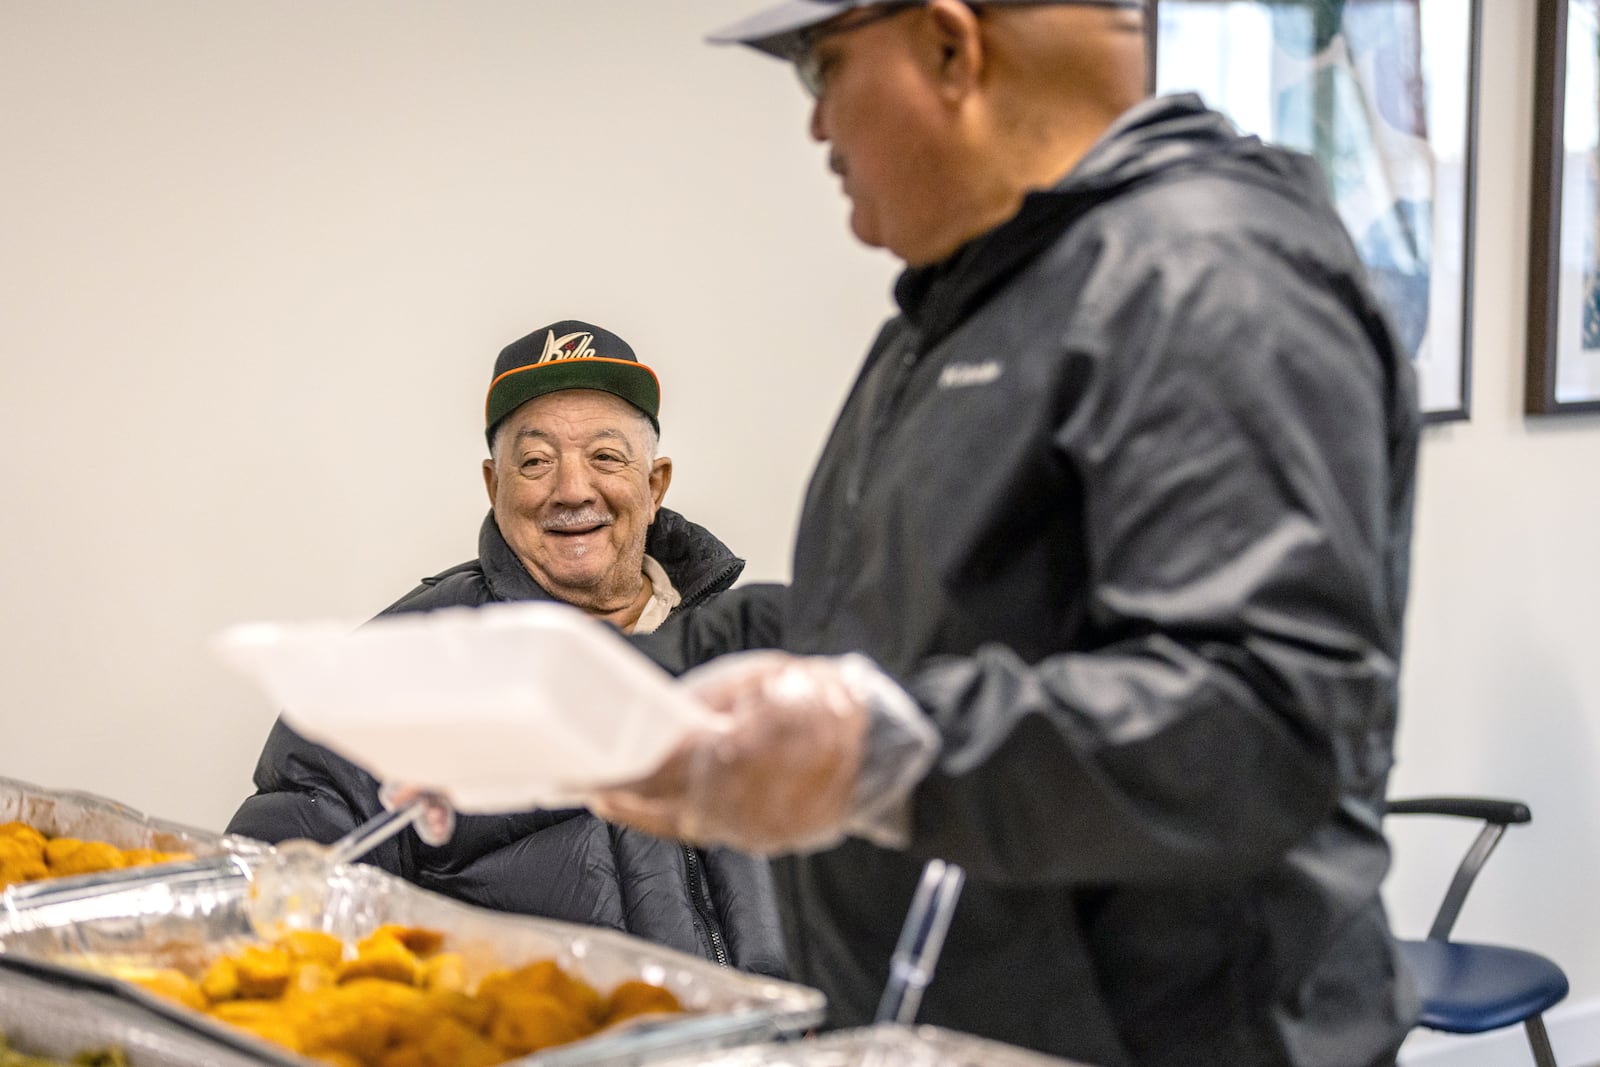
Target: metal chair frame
1496	816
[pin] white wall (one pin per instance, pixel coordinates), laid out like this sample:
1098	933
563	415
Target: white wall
255	263
1503	672
1502	678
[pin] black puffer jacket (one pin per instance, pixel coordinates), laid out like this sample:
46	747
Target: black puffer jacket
557	864
1124	500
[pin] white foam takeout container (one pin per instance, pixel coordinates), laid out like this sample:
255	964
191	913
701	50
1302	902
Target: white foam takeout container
502	708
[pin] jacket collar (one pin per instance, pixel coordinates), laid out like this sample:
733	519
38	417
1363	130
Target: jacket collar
1151	138
698	563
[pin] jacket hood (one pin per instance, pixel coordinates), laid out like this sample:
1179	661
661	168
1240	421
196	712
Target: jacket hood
696	560
1165	132
1150	140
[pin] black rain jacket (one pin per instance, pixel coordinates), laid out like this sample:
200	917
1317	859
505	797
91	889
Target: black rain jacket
1123	498
565	864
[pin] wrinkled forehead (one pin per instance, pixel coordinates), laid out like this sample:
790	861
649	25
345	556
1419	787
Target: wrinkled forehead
579	416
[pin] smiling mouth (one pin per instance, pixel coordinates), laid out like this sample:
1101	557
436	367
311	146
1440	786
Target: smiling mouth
577	531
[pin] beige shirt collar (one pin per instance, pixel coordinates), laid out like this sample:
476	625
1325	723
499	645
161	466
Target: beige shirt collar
663	598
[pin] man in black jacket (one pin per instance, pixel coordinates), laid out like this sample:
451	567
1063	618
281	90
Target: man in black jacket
576	488
1099	582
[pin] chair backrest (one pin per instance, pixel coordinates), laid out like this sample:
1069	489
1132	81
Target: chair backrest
1469	988
1495	815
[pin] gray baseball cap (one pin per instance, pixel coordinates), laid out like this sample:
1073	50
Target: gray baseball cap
780	30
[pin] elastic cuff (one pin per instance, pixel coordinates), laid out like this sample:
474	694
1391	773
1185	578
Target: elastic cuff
901	747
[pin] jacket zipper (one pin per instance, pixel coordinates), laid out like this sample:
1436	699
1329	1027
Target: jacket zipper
700	897
707	587
887	401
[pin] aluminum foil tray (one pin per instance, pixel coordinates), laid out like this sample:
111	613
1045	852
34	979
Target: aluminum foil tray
884	1045
69	813
78	930
45	1017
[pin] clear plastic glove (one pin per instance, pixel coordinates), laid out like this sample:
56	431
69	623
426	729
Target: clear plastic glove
784	770
289	884
435	824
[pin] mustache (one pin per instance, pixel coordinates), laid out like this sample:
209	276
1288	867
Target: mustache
836	163
566	520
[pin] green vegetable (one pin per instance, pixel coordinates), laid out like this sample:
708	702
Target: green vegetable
10	1057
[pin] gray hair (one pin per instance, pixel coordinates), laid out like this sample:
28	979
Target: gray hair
648	432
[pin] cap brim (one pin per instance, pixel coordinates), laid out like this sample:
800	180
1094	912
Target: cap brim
775	31
633	382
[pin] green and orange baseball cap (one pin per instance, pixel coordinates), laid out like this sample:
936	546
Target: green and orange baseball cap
570	354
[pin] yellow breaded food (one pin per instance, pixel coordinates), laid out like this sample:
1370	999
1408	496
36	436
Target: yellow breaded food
446	972
173	985
397	1000
633	998
27	855
21	861
545	976
525	1021
314	945
67	856
221	980
263	971
381	955
23	835
264	1018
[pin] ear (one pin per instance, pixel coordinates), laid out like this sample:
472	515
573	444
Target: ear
958	38
491	479
660	478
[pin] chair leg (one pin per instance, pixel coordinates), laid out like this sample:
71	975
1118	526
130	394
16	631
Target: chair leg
1543	1055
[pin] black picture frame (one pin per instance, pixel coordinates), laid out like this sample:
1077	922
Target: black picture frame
1563	310
1435	321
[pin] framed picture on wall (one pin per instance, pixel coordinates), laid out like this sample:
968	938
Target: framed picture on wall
1384	94
1564	245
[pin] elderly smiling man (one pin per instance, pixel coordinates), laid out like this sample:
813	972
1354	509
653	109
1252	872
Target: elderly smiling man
576	488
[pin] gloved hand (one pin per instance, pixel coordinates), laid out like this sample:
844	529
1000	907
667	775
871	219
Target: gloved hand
435	824
782	770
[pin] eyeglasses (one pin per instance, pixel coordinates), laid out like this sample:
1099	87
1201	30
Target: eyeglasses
806	64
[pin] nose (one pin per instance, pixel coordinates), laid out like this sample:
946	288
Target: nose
573	486
819	127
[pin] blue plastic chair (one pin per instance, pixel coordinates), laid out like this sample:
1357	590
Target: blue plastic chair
1472	988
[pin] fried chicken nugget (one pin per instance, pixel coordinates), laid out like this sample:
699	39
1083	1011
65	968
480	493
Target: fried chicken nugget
174	986
446	972
634	997
308	977
220	981
267	1019
546	976
315	946
263	971
20	861
68	855
23	834
361	1017
526	1021
466	1009
381	955
421	940
446	1042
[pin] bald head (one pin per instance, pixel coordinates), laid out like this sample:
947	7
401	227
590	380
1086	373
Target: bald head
941	117
1058	75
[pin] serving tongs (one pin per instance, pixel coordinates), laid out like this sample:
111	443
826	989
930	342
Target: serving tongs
287	883
916	954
